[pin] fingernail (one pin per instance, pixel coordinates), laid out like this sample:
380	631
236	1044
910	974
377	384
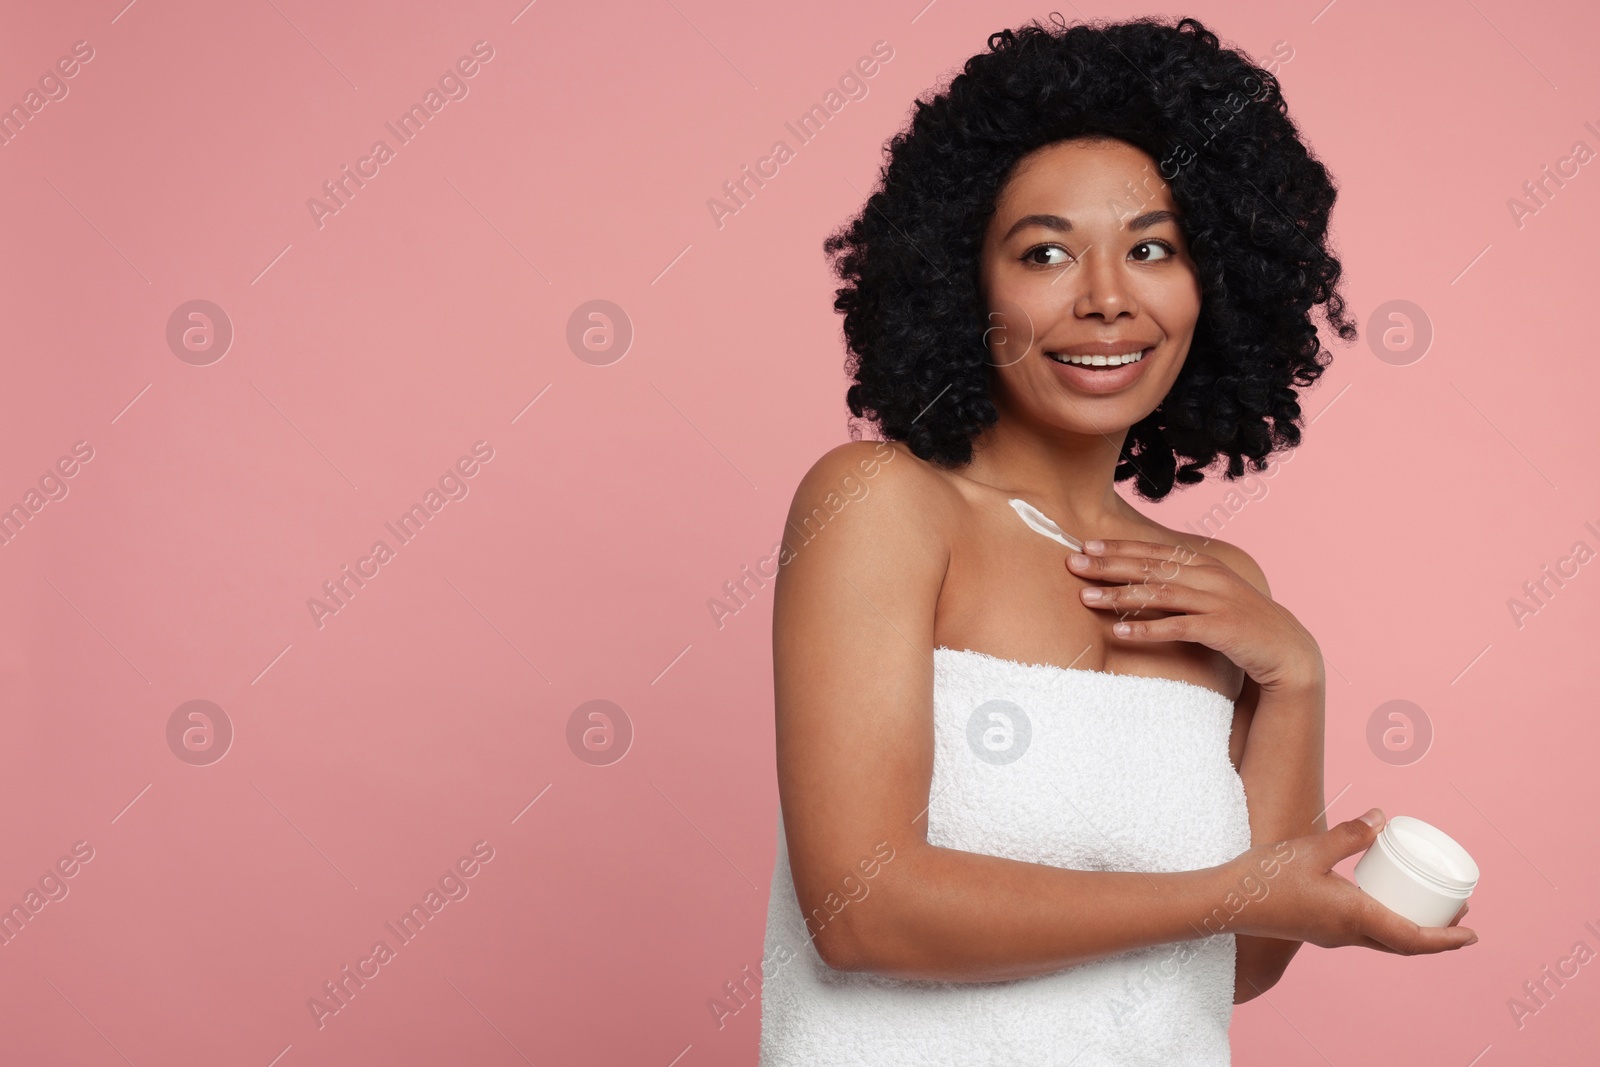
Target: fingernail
1473	940
1094	546
1078	559
1092	593
1373	817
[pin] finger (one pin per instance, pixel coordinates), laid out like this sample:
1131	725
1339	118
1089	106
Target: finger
1148	550
1134	547
1172	628
1363	941
1414	940
1351	836
1166	596
1406	937
1142	568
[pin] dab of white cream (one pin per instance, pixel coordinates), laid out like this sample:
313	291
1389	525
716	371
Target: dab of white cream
1041	523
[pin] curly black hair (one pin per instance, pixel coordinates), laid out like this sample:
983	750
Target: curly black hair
1254	204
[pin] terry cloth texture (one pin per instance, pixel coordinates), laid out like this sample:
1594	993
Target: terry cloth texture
1083	769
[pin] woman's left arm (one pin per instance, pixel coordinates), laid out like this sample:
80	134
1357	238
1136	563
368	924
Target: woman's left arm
1278	750
1221	599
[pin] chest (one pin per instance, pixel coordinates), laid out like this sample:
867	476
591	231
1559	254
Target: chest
1007	591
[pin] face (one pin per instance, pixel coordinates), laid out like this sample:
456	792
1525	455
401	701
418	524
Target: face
1084	262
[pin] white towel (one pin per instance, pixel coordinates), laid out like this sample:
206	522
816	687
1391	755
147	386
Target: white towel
1082	769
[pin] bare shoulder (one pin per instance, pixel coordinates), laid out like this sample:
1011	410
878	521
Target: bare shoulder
1234	556
878	490
1242	563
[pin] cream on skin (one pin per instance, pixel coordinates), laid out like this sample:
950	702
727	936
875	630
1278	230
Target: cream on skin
1039	522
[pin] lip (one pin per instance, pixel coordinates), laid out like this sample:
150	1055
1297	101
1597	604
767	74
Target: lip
1104	379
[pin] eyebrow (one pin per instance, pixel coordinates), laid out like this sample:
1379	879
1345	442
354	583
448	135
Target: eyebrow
1062	225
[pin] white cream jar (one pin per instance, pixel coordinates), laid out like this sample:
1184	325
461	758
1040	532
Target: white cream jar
1418	871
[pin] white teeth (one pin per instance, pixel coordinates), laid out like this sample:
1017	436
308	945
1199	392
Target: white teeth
1098	361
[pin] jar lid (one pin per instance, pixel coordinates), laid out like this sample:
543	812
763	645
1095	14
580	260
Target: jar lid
1430	853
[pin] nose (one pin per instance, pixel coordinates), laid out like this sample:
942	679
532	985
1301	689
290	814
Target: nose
1103	288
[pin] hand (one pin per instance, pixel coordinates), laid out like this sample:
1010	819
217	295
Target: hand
1289	890
1207	602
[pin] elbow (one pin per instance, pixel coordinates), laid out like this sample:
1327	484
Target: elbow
1250	982
875	943
1260	964
840	945
1247	989
856	929
837	955
853	938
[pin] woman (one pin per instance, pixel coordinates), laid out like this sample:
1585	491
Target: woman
1042	806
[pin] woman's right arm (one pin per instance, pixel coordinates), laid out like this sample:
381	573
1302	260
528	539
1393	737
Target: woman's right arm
853	612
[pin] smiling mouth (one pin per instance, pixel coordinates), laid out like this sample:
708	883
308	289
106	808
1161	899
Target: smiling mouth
1098	361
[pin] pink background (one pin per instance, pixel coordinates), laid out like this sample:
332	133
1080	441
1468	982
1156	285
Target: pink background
431	311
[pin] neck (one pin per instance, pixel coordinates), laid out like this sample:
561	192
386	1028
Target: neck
1068	476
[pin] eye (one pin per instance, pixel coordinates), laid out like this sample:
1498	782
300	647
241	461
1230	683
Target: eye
1039	256
1167	250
